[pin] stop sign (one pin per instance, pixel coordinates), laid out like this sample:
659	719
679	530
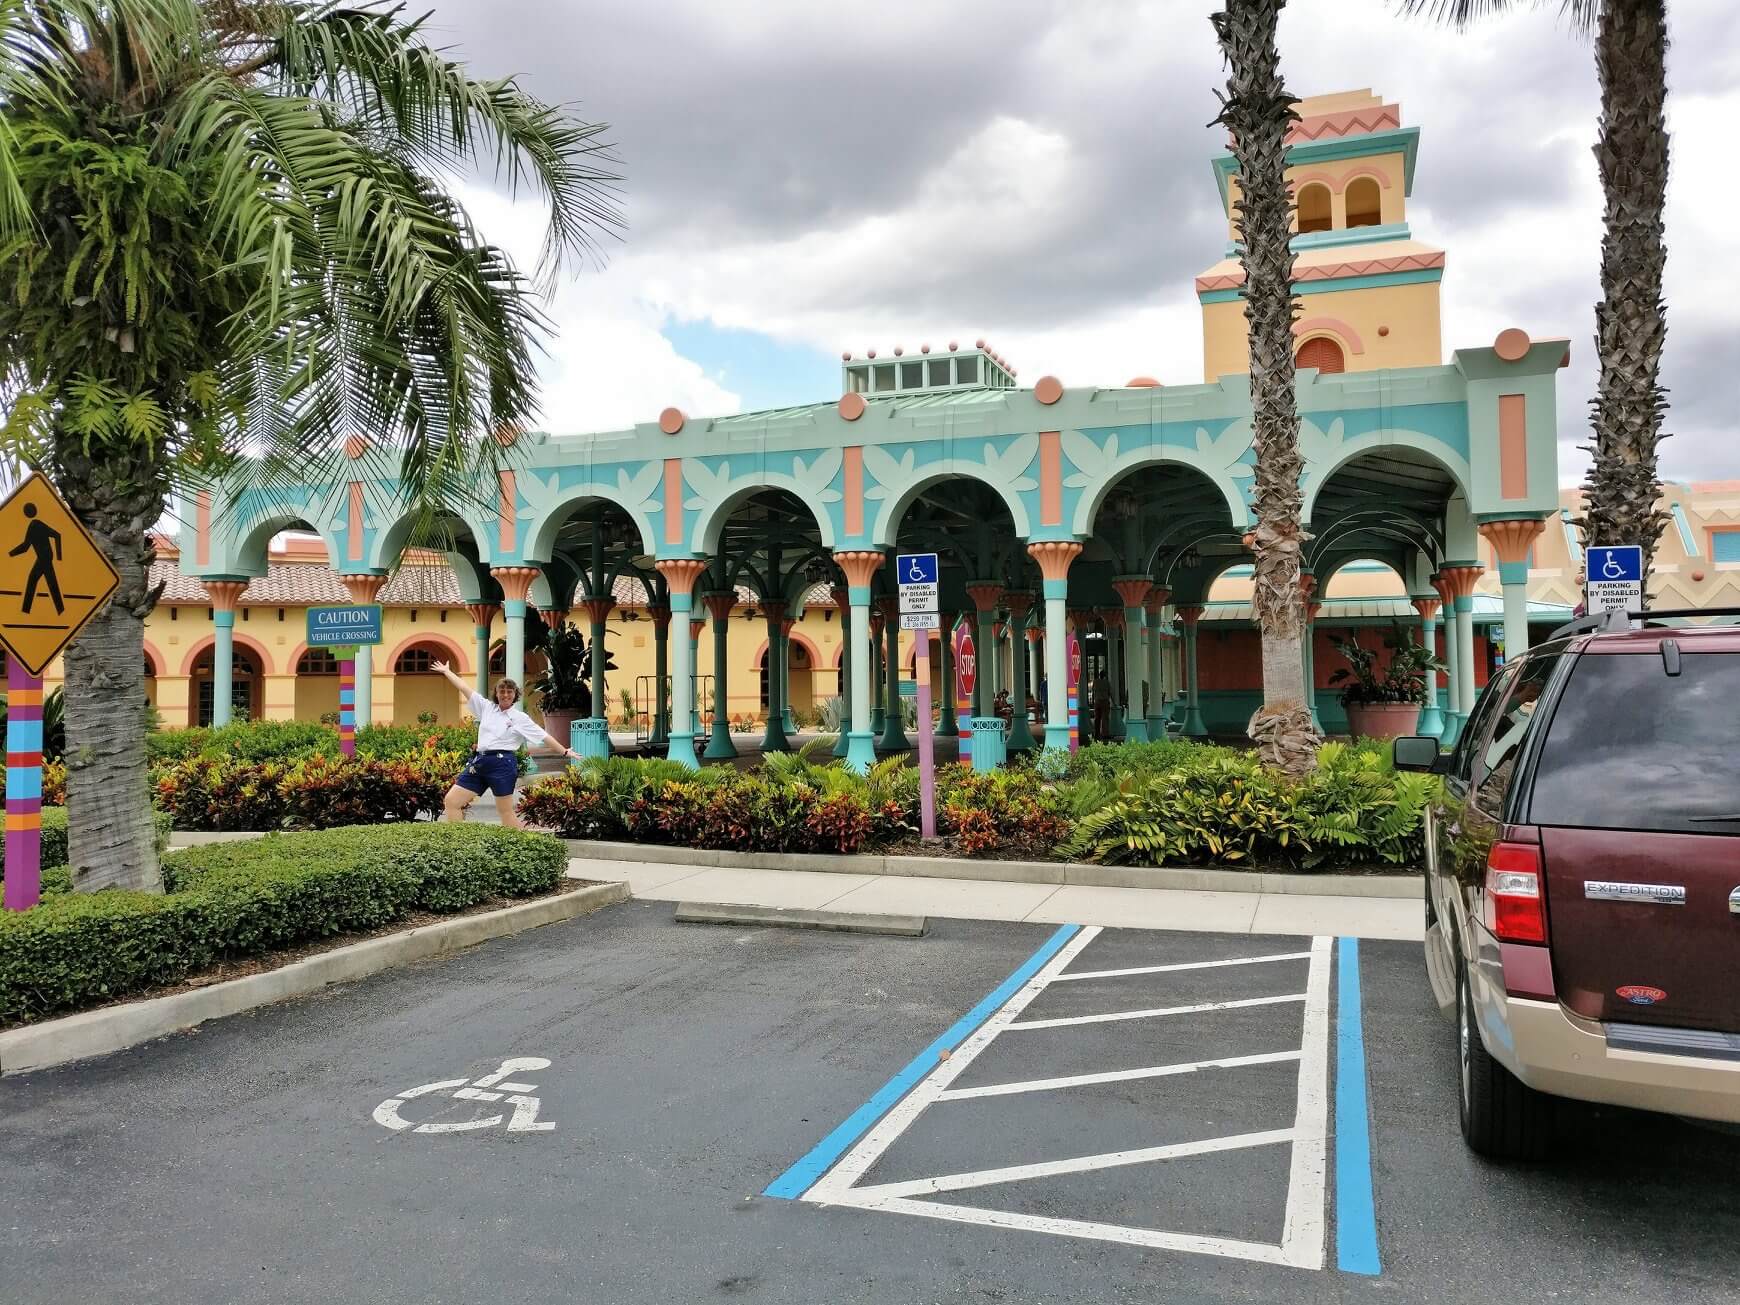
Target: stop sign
966	665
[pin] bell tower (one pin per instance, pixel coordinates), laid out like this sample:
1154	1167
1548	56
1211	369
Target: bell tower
1368	291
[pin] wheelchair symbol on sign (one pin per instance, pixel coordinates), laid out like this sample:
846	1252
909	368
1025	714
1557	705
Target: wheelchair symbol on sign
490	1087
915	572
1611	569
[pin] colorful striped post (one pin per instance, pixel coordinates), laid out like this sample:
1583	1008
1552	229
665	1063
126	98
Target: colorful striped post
23	787
1074	692
347	702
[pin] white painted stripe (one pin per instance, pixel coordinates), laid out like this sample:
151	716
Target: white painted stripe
832	1186
1075	1165
1188	965
1117	1015
1103	1232
1114	1076
1302	1238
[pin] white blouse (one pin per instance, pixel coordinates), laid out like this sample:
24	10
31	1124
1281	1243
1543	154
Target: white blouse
502	731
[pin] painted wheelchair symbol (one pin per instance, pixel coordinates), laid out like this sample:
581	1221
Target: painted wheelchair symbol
490	1087
915	571
1611	568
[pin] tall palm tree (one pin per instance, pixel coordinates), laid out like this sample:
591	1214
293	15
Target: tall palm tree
1623	491
223	230
1257	110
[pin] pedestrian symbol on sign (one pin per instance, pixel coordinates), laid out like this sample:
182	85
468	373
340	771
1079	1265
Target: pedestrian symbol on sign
44	540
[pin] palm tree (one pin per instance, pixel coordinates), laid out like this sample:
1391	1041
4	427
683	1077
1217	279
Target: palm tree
224	230
1257	110
1623	491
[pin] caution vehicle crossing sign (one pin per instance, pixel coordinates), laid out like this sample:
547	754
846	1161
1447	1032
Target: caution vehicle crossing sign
53	577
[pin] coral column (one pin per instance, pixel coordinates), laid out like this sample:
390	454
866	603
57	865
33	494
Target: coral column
482	617
1155	605
719	744
224	594
1134	591
1431	720
680	574
1193	722
660	615
516	587
595	732
1512	542
859	568
893	729
1054	557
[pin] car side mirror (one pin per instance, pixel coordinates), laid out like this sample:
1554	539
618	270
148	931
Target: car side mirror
1417	752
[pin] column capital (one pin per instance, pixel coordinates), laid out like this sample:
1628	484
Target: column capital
696	625
1511	540
1054	557
1018	601
986	594
1455	582
1035	633
842	597
775	611
787	625
1157	599
680	573
1134	590
1426	607
363	588
482	614
225	594
553	616
599	609
1112	616
1190	614
859	565
515	581
660	615
719	605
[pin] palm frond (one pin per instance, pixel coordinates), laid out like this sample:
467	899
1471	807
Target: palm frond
1581	14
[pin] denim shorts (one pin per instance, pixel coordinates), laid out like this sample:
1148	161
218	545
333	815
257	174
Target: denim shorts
490	772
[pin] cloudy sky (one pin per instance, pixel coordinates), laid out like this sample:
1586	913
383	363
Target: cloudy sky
804	178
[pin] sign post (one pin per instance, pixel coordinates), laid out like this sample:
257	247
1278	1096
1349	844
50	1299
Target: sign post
1613	579
67	582
340	628
917	577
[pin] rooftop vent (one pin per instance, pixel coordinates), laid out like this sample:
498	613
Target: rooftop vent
929	370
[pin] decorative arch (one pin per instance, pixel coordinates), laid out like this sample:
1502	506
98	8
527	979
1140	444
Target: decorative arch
1316	207
796	636
548	520
461	663
895	507
247	641
154	660
1088	506
1315	477
1334	566
248	549
710	521
1334	325
385	550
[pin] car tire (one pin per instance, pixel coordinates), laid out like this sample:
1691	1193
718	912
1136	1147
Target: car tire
1502	1117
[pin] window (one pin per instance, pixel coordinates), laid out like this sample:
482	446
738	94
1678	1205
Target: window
1500	750
414	661
498	659
1725	545
857	379
1314	211
1632	747
1478	721
967	371
884	374
939	372
317	661
912	376
242	673
1364	203
1322	353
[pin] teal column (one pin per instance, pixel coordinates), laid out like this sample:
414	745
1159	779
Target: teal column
680	577
843	605
514	611
1431	719
860	567
878	703
695	624
1152	608
1193	722
894	731
785	717
660	615
1465	655
947	728
223	665
1452	687
482	615
719	744
1054	558
1514	577
773	738
1309	635
1020	733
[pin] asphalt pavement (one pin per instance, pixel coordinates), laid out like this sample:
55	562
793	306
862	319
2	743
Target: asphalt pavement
620	1109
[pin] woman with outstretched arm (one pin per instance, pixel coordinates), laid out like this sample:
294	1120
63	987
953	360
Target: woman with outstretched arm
501	727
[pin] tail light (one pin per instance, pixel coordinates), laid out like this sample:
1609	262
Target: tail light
1515	910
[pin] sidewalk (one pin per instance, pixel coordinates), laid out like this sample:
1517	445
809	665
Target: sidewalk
980	899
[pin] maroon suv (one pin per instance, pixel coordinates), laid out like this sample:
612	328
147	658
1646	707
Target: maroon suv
1583	882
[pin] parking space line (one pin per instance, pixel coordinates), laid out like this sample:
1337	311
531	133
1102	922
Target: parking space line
1186	965
1117	1016
1356	1245
793	1183
1114	1076
873	1192
1302	1236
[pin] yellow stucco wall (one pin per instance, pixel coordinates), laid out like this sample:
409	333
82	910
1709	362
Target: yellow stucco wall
1410	312
1388	169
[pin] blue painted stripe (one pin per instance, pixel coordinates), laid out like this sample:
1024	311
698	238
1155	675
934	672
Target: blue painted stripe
1356	1243
23	783
797	1180
23	735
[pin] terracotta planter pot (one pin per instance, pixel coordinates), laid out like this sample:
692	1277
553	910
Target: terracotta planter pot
1383	720
560	725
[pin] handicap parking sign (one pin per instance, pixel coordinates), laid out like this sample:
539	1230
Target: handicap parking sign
1613	577
916	574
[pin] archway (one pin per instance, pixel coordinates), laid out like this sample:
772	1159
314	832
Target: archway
421	696
247	685
1315	213
1364	202
316	685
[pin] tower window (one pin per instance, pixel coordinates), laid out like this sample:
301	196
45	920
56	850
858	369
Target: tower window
1322	353
1364	203
1314	212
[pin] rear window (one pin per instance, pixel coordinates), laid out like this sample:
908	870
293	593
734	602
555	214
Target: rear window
1632	747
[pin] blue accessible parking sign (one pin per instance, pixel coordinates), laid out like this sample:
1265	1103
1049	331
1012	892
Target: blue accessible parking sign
916	575
1614	578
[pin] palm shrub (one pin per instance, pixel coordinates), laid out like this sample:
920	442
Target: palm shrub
1402	680
223	228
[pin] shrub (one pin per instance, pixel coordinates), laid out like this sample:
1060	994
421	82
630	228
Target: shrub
1000	812
54	783
319	792
234	900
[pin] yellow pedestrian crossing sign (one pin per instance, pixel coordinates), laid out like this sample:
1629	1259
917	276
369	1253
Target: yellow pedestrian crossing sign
53	577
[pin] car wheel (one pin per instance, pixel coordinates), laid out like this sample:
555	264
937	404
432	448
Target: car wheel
1502	1118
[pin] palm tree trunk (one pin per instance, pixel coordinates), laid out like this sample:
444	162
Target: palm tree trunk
1257	110
1631	319
110	839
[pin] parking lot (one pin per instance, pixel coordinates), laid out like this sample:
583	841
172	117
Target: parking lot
622	1109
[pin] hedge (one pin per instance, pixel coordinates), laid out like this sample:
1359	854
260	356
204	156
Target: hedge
230	901
263	741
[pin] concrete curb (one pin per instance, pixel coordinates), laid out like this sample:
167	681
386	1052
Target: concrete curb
1019	872
97	1032
901	926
